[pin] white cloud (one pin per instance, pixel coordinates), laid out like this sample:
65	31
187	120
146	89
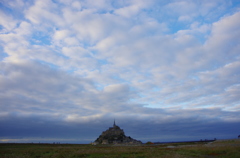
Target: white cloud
128	11
71	41
76	5
226	29
65	38
90	27
8	22
133	9
185	18
82	61
13	4
182	7
60	35
44	13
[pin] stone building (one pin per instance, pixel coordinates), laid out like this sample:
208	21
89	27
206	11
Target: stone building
115	135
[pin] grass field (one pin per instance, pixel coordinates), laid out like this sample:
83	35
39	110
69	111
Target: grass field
226	149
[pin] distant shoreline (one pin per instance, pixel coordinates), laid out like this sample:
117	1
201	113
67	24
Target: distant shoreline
167	142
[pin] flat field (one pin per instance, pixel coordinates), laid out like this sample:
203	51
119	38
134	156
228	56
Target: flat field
224	148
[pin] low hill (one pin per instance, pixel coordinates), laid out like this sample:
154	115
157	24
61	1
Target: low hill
115	135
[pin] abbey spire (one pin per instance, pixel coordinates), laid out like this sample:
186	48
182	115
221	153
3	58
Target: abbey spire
114	124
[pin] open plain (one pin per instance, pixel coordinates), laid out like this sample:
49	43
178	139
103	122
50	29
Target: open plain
219	148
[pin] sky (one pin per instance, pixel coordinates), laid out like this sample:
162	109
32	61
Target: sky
165	70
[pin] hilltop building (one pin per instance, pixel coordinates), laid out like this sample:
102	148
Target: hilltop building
115	135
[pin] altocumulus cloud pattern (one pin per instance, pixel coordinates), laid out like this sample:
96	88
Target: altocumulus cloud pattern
166	70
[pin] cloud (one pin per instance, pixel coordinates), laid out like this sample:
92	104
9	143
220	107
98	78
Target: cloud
37	90
16	4
132	10
188	11
223	32
7	22
43	13
160	68
166	128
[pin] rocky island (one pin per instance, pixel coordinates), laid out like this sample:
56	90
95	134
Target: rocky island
115	135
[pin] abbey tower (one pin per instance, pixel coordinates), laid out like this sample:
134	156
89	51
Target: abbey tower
115	135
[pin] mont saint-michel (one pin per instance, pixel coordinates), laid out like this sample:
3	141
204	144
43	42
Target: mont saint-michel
115	135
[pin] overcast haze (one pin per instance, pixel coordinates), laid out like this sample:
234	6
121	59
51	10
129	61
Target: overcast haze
166	70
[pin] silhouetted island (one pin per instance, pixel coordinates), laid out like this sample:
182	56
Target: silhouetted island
115	135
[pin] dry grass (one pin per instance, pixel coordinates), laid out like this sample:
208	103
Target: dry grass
222	149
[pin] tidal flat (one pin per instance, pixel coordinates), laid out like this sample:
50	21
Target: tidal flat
219	148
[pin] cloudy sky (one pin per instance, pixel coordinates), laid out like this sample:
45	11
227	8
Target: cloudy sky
166	70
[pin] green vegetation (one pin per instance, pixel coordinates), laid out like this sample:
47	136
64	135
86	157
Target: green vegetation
223	149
